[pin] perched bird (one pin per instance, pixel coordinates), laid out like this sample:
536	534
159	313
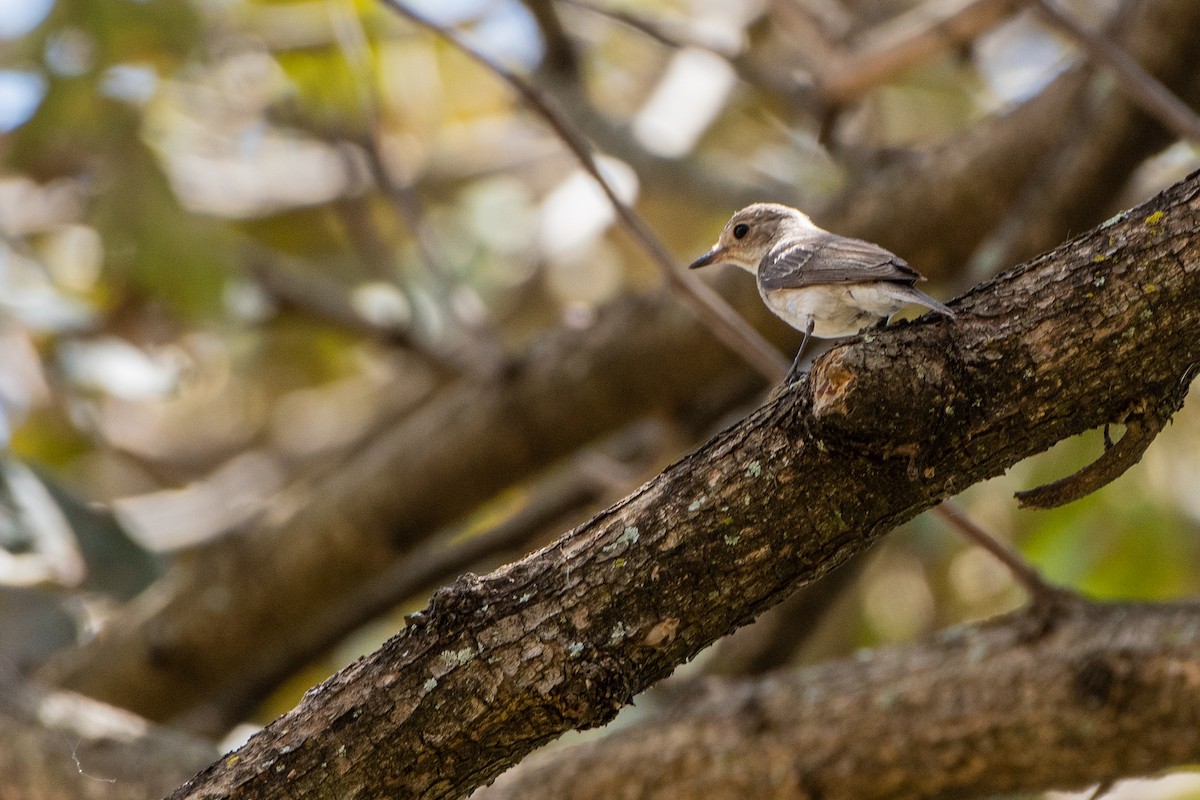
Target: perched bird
816	281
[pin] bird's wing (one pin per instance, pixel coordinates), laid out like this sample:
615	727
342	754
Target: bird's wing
824	258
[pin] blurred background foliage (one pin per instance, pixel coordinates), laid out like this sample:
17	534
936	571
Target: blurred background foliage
239	236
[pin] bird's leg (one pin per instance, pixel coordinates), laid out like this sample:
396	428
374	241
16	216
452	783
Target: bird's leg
794	373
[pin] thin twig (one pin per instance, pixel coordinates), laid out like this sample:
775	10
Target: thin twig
316	297
355	48
788	92
663	33
1022	571
716	314
649	28
559	53
1143	88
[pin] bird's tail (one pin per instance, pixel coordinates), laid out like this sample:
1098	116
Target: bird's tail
911	294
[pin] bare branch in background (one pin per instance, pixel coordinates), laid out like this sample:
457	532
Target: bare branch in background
929	30
1143	88
329	301
789	93
1106	135
1040	592
356	213
490	353
724	322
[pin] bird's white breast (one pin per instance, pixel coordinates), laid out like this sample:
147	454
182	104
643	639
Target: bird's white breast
836	310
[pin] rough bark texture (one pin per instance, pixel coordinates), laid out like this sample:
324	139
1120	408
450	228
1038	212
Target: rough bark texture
168	653
1109	692
885	426
233	612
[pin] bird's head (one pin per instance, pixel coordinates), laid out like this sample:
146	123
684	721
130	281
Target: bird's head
751	233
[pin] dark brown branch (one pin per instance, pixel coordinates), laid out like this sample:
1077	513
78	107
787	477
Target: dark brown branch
978	711
169	651
559	52
882	428
556	500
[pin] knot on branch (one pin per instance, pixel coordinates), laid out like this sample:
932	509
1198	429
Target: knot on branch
1106	680
454	603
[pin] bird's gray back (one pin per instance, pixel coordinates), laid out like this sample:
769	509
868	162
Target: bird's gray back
820	258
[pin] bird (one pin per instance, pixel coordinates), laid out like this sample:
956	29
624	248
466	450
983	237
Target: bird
820	283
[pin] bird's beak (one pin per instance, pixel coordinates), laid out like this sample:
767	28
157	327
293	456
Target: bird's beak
713	256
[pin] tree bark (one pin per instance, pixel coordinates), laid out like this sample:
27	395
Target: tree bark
1104	329
230	613
169	652
1112	691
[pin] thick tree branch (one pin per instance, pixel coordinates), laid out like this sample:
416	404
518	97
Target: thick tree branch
172	650
561	498
1109	134
884	427
1111	692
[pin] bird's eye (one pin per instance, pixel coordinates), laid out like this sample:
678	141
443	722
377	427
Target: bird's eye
740	230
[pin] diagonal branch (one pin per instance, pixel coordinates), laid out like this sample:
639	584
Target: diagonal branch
883	428
724	322
978	711
169	652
